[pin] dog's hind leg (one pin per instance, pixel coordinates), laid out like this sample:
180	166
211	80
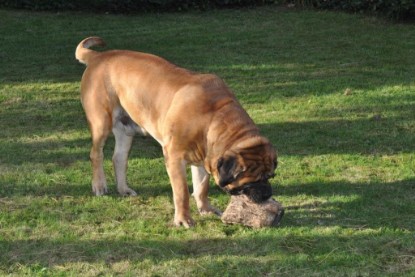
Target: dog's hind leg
99	126
123	143
200	179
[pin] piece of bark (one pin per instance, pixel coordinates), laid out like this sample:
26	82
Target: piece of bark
241	210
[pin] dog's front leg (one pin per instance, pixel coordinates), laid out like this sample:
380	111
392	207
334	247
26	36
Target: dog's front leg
200	179
176	168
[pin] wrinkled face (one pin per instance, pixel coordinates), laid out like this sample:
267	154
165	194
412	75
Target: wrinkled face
246	170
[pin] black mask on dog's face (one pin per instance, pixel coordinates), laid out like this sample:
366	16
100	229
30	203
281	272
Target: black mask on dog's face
258	192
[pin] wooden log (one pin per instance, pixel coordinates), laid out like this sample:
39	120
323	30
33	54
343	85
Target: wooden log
241	210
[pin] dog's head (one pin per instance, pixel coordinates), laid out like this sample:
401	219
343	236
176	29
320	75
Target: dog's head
246	169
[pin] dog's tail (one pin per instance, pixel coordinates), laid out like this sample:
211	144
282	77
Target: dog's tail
83	54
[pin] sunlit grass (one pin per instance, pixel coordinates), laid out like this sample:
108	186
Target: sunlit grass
333	92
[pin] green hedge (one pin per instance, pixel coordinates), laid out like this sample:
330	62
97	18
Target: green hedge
394	9
127	6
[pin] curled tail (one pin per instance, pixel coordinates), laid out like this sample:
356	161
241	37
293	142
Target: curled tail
83	53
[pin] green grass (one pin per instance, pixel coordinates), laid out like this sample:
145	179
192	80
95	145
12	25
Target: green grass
346	174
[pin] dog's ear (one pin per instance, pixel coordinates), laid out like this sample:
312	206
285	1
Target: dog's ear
226	167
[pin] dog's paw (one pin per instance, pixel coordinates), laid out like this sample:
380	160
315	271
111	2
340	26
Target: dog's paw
127	192
99	190
186	222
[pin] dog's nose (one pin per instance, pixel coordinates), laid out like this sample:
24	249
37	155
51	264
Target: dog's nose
278	217
258	192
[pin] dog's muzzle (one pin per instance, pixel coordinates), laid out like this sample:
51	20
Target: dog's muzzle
258	192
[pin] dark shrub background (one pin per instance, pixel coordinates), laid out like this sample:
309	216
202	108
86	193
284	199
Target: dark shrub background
393	9
127	6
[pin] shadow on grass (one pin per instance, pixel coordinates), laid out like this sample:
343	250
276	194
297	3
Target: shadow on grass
356	205
261	252
383	208
66	152
361	136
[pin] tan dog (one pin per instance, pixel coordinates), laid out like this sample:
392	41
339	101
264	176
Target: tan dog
195	117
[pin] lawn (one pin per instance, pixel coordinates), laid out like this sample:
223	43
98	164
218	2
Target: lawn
335	93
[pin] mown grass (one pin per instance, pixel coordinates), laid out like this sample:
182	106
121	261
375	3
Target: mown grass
333	92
